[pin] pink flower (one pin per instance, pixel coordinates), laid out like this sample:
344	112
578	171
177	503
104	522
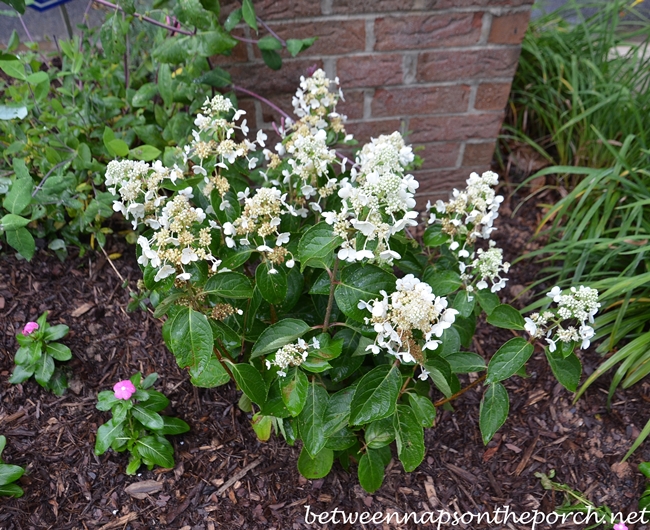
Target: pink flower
30	327
124	389
620	526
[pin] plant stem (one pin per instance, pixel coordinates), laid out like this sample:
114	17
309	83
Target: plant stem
460	392
408	380
225	366
267	28
260	98
146	18
330	301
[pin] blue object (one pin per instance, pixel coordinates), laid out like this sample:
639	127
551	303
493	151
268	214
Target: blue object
44	5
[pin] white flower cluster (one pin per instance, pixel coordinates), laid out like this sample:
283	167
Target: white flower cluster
485	265
378	200
310	157
580	304
138	185
215	136
178	239
261	219
412	307
316	99
292	355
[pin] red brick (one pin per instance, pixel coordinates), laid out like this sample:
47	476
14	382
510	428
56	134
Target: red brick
492	96
238	54
382	6
420	100
459	127
438	183
479	153
269	114
261	79
277	9
447	65
352	107
437	154
427	31
370	70
364	130
334	37
509	29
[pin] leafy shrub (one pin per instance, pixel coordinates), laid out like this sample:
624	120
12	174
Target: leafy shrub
136	425
8	475
299	280
37	353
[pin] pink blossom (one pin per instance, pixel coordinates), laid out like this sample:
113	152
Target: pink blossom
124	389
620	526
30	327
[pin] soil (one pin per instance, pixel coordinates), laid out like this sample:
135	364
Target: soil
225	478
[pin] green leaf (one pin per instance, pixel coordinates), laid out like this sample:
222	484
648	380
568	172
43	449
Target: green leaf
310	420
269	42
295	46
10	473
379	433
192	13
117	147
13	222
409	437
11	490
134	464
294	388
272	285
44	370
338	411
316	247
250	381
21	374
58	351
19	196
217	77
508	359
157	450
434	236
3	441
55	332
272	59
487	300
361	282
233	19
464	304
442	282
165	84
506	316
423	409
248	12
106	434
148	418
210	375
156	401
375	395
146	153
279	334
190	338
567	370
262	426
442	376
229	285
173	426
318	466
14	69
493	411
371	471
464	362
149	380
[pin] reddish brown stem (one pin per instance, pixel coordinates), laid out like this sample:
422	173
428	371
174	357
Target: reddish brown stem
460	392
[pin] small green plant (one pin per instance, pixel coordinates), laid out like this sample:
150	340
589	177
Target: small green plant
136	425
37	353
9	474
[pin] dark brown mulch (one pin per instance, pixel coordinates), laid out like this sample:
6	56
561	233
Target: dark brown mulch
68	487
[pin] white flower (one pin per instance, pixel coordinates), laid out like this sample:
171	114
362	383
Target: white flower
586	333
283	239
261	137
163	272
551	345
555	294
530	326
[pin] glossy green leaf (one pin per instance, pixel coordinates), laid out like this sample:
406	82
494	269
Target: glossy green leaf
434	236
55	332
148	418
229	285
209	375
157	450
173	426
294	388
44	369
272	59
248	12
423	409
217	77
493	411
249	381
12	222
10	473
409	437
106	434
146	153
567	370
509	359
371	471
442	282
262	425
361	282
19	196
269	42
272	282
463	362
279	334
310	420
487	300
464	303
506	316
442	376
316	247
379	433
338	411
190	338
318	466
58	351
376	395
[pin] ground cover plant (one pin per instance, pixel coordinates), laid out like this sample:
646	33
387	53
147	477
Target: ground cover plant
290	271
127	88
580	100
8	475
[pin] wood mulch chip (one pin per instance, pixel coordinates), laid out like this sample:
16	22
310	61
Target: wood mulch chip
225	478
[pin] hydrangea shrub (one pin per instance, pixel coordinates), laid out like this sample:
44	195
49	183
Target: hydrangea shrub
294	270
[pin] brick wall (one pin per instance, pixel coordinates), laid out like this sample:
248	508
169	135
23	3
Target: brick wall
439	70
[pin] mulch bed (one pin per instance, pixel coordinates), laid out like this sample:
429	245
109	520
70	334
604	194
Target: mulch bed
68	487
